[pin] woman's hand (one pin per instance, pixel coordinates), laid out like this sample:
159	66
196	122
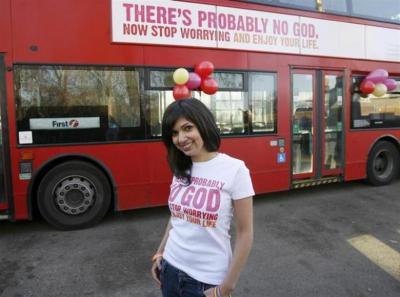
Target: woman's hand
211	292
156	269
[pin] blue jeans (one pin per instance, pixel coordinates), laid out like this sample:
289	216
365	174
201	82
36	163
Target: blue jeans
176	283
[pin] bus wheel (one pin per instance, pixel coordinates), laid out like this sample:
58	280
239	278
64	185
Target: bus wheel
383	164
74	195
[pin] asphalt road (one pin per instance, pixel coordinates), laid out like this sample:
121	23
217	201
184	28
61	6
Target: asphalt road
301	249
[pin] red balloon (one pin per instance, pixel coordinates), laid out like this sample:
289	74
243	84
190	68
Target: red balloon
209	86
367	86
181	92
204	69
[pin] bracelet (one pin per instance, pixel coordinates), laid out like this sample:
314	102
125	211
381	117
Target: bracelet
218	293
156	256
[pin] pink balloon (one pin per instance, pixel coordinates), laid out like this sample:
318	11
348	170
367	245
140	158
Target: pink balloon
391	84
378	76
194	81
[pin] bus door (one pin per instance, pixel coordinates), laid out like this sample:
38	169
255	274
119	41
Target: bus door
2	107
317	126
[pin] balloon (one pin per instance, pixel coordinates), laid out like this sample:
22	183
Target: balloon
181	92
380	90
391	84
367	86
377	76
204	69
209	86
194	81
181	76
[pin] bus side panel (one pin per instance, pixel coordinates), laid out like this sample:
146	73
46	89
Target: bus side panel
18	201
222	59
128	164
262	159
356	158
142	183
78	36
359	144
159	174
5	23
6	47
4	159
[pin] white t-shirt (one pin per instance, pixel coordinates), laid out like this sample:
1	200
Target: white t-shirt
201	214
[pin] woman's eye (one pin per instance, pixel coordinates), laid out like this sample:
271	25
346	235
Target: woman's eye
188	128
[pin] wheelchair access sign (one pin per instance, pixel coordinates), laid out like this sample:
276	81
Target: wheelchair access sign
281	157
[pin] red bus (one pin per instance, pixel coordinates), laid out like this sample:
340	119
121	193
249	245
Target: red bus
83	86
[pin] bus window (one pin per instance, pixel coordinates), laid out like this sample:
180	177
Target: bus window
303	94
155	103
233	112
229	105
368	111
309	4
229	108
263	101
69	104
339	6
382	9
333	95
157	97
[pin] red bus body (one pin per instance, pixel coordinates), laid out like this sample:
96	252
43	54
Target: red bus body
74	32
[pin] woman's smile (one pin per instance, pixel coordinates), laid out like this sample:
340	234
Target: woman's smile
186	147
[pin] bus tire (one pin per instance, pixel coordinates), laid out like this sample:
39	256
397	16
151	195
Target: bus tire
383	163
74	195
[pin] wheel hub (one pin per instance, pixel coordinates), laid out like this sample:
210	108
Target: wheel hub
74	195
383	164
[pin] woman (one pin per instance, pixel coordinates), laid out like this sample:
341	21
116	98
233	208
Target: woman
195	257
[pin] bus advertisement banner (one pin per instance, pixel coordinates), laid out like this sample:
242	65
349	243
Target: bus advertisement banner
199	25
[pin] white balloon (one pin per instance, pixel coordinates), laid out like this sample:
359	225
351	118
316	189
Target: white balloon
181	76
380	90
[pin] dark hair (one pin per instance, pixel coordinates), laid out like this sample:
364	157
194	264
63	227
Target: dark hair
196	112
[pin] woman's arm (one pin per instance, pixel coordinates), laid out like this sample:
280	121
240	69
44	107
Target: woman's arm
244	241
156	267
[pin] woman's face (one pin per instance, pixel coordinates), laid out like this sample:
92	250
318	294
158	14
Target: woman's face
186	137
